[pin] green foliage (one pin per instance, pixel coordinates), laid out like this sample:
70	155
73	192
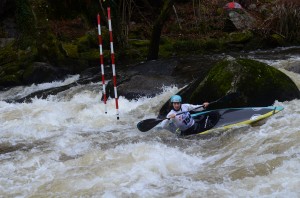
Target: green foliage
212	45
166	48
7	54
48	49
87	42
136	50
10	74
139	43
188	46
25	23
239	37
277	40
92	54
10	80
11	68
197	46
13	62
66	9
70	49
288	21
201	30
285	21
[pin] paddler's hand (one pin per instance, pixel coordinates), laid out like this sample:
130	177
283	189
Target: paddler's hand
172	116
205	105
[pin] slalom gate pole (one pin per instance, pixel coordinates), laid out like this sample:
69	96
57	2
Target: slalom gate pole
101	62
113	60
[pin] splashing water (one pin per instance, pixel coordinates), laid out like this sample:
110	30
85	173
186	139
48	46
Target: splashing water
66	146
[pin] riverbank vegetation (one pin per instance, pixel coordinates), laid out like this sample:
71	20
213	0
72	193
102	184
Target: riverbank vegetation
64	33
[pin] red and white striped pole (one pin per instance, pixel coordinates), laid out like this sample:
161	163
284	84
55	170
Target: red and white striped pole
101	62
113	60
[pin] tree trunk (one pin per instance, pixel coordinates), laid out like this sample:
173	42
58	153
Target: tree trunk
157	28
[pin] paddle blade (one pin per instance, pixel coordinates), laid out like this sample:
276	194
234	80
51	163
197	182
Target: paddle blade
146	125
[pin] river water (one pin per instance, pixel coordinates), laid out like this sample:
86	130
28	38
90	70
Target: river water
66	146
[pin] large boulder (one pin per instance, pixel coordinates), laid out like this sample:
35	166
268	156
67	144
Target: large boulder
149	78
258	84
254	83
238	19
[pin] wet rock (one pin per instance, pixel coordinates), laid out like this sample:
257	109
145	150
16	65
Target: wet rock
41	72
150	86
240	19
258	83
148	79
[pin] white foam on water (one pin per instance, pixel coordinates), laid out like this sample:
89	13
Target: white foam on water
66	146
22	91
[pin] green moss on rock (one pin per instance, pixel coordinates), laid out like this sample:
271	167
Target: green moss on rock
277	40
87	42
259	83
90	55
217	82
139	43
70	49
239	37
188	46
10	80
7	54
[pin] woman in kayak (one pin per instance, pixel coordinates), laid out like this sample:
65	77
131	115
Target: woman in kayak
180	120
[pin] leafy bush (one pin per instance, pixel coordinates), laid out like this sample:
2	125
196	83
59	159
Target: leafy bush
285	20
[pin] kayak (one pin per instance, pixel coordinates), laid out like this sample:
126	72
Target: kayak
228	118
208	122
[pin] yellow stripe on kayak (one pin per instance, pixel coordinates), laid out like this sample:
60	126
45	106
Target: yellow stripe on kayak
246	122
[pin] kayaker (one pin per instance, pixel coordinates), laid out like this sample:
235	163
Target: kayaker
182	124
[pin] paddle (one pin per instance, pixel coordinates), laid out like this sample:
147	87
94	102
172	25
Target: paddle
146	125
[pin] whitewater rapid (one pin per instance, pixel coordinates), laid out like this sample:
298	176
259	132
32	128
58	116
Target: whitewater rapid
66	146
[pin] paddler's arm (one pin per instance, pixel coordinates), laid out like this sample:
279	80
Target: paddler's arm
198	107
168	124
165	124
